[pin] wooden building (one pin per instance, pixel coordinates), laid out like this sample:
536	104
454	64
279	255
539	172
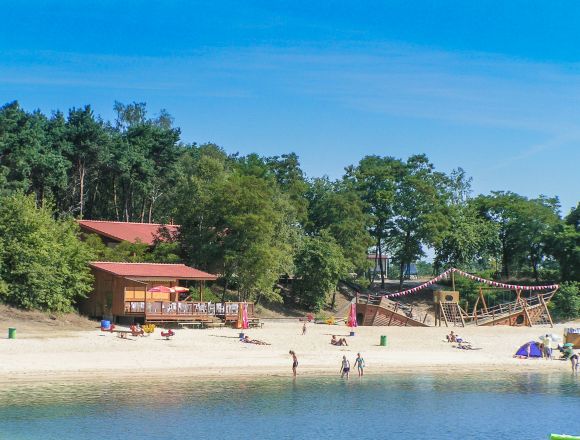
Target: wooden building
121	291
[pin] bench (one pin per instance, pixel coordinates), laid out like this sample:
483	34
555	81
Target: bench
195	324
255	323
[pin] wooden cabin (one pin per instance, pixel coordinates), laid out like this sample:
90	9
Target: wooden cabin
121	291
112	233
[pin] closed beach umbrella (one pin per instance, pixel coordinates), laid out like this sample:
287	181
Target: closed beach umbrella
245	322
352	316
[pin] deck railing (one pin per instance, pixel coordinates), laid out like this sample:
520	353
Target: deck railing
185	308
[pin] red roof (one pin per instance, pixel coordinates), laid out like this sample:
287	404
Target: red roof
153	270
126	231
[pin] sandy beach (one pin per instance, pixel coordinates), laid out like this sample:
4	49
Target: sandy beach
216	353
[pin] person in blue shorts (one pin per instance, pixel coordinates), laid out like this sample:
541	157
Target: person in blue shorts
359	363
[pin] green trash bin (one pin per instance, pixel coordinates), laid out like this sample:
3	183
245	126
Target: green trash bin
383	341
11	333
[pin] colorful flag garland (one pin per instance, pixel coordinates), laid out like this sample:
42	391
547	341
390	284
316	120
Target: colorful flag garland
472	277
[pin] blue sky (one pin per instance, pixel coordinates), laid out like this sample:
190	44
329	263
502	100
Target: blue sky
491	86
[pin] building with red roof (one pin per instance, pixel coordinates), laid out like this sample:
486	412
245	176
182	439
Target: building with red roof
125	291
113	233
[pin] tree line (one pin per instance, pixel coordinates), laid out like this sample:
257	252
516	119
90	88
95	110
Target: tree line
254	220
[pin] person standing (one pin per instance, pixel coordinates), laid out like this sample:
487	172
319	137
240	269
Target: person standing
548	347
359	363
304	329
345	367
294	362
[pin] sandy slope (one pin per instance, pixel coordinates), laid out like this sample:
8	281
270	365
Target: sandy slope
217	352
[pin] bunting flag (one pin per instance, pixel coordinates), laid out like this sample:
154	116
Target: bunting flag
472	277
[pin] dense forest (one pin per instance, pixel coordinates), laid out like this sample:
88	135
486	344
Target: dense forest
251	219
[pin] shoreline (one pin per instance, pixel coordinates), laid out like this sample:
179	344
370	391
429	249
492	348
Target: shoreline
195	375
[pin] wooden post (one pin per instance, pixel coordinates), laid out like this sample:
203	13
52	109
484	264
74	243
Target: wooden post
474	314
526	313
483	299
201	291
453	281
546	309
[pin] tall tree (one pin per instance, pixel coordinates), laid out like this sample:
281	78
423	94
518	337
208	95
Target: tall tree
419	211
88	149
375	179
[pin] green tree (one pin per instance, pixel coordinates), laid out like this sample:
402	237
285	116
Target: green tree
524	227
339	210
89	143
320	264
43	264
419	211
564	245
375	179
566	301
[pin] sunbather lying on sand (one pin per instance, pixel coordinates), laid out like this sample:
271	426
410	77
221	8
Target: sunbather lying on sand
462	345
339	342
247	340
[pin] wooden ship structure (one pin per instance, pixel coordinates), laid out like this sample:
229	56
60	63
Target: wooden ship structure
529	308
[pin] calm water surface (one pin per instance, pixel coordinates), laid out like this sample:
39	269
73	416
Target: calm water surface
429	406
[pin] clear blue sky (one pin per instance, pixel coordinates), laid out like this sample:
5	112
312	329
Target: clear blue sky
491	86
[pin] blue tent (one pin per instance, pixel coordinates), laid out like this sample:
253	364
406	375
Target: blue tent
529	350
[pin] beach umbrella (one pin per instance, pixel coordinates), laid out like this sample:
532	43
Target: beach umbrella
162	289
568	344
352	316
552	337
180	289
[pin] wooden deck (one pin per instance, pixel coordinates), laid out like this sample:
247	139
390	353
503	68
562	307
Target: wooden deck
175	311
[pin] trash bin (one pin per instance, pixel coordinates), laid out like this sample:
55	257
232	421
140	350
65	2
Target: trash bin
105	324
11	333
241	336
383	341
352	333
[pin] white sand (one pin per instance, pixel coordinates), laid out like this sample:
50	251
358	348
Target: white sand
218	352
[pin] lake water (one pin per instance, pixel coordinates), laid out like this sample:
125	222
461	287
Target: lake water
402	406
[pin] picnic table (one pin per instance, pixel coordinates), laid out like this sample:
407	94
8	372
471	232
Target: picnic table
255	322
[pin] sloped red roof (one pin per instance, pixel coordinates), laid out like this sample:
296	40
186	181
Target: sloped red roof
153	270
126	231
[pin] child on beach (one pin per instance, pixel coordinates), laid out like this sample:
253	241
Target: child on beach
294	362
359	363
345	367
